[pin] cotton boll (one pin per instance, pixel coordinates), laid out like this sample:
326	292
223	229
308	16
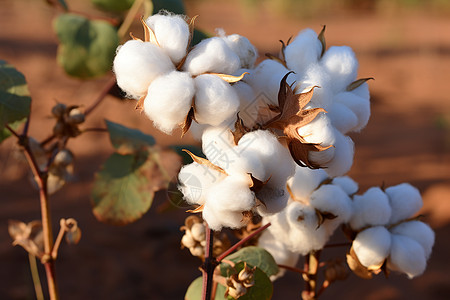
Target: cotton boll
169	100
372	246
211	55
273	199
418	231
303	51
216	141
315	75
342	66
172	34
343	156
349	186
332	199
137	64
360	106
249	105
197	130
216	220
405	201
215	100
243	48
195	179
407	256
362	91
370	209
342	117
305	181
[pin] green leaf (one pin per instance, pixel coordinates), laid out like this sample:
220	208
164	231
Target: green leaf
254	256
15	98
174	6
196	150
87	48
5	133
194	291
127	140
263	288
115	6
63	4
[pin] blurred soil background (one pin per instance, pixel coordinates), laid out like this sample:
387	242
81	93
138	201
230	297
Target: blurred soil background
404	45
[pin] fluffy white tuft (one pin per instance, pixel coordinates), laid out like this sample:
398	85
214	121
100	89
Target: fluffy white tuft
332	199
216	142
243	48
360	106
418	231
315	75
303	51
349	186
405	201
305	181
211	55
341	65
342	117
343	155
370	209
137	64
372	246
407	256
169	100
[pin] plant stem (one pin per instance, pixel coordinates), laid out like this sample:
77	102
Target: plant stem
35	276
129	18
311	267
293	269
109	85
209	265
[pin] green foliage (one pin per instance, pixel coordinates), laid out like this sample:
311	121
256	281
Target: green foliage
63	4
15	98
194	291
254	256
86	47
186	157
127	140
116	6
174	6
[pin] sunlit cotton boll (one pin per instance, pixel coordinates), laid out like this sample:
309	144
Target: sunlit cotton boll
405	201
359	105
370	209
211	55
315	75
137	64
303	51
169	100
343	155
349	186
407	256
372	246
418	231
242	47
305	181
332	199
215	100
216	141
341	65
342	117
248	103
172	34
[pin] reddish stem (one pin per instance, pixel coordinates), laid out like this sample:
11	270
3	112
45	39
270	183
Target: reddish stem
209	265
293	269
109	85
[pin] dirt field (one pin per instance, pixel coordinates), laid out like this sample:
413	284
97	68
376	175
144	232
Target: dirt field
407	140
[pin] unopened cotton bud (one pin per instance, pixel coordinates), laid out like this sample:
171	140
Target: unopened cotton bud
303	51
370	209
405	201
187	240
169	100
75	116
197	250
215	100
63	158
418	231
341	65
211	55
137	64
372	246
407	256
58	110
172	34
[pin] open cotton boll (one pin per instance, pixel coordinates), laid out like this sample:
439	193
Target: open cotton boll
305	181
315	75
407	256
249	105
418	231
172	34
332	199
216	220
341	65
243	48
360	106
169	100
362	91
372	246
349	186
370	209
303	51
405	201
343	156
215	100
195	179
273	199
342	117
216	141
211	55
137	64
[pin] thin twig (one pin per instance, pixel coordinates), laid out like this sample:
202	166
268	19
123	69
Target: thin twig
108	86
35	275
293	269
209	265
12	131
129	18
48	140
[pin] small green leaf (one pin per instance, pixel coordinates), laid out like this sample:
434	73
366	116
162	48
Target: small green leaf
174	6
263	288
15	98
254	256
5	133
87	48
186	157
194	291
115	6
128	140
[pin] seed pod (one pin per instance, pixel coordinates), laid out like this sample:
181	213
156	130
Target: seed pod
187	240
75	116
59	129
63	158
198	232
58	110
197	251
235	288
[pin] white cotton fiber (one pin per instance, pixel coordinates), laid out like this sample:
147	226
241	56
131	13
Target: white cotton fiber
343	156
211	55
332	199
305	181
360	106
219	219
405	201
243	48
342	117
407	256
349	186
273	198
341	65
248	103
137	64
372	246
216	141
195	180
315	75
362	91
169	100
215	100
172	34
418	231
303	51
370	209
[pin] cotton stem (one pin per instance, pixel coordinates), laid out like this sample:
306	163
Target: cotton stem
209	265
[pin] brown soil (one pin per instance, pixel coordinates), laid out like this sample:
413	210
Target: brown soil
407	53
